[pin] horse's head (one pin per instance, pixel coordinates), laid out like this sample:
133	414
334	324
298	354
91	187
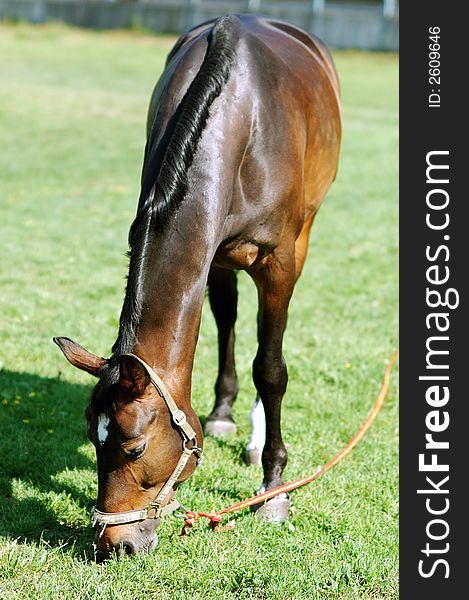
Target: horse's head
144	448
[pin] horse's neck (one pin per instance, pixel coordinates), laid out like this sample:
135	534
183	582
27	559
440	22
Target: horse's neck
172	295
178	260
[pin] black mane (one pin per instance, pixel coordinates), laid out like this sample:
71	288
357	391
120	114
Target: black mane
164	176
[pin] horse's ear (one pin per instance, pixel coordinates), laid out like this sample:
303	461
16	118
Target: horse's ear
133	375
79	357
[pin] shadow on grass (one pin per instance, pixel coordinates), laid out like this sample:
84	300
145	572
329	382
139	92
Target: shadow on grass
235	446
42	429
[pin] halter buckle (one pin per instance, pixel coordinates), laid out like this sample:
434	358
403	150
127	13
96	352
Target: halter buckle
155	504
179	417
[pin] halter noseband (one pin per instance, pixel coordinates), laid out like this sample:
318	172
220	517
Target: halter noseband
154	510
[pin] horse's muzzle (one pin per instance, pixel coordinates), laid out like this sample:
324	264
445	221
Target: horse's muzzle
126	540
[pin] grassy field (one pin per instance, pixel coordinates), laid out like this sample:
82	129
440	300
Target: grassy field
72	115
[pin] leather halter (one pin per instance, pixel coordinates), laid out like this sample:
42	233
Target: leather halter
154	510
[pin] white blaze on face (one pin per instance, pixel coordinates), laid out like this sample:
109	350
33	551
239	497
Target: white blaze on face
257	418
103	422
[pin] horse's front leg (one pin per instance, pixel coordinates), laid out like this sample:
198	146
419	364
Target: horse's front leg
223	297
275	279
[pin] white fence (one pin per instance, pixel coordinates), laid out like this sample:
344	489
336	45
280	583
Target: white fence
340	25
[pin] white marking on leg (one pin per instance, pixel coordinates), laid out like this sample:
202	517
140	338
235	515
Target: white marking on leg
257	419
103	422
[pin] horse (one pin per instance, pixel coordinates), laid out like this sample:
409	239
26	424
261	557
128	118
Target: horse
243	138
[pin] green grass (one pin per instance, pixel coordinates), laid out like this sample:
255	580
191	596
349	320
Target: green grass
72	116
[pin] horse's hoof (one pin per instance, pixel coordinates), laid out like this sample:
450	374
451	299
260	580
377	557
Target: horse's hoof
253	457
275	510
219	428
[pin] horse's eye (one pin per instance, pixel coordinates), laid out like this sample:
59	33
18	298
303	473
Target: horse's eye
135	452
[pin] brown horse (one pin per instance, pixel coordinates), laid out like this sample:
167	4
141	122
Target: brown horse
243	141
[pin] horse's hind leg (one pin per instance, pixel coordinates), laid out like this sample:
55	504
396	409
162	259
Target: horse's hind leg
223	297
275	278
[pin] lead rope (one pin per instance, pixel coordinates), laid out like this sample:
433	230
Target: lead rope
216	518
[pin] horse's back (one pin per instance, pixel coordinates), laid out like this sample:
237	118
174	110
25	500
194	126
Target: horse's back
277	52
279	113
257	26
315	45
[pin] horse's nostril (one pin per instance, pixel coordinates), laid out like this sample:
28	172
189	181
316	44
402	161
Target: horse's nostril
126	547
